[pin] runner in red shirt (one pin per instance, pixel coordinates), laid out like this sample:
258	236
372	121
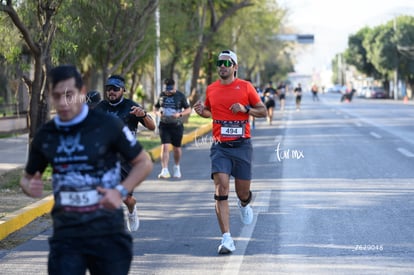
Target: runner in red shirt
229	102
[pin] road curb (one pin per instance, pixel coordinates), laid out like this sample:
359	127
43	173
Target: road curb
20	218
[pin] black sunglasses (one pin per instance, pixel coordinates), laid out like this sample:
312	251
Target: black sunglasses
113	88
226	63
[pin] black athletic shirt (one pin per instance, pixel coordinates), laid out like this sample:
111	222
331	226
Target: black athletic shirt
122	110
171	104
83	155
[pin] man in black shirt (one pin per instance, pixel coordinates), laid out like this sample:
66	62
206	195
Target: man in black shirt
88	221
269	101
131	114
298	93
171	106
281	91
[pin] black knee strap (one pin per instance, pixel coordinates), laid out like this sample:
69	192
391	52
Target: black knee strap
221	198
246	202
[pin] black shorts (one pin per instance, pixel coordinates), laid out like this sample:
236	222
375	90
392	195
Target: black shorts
270	103
282	96
171	133
232	159
108	254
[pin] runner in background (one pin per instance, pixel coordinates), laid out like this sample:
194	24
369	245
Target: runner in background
131	113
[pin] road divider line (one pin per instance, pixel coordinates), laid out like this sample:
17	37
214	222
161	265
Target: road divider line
235	260
278	138
405	152
375	135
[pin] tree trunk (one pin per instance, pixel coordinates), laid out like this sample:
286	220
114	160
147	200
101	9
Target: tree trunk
194	96
215	24
38	107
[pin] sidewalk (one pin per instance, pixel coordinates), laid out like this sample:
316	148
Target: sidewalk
13	124
14	151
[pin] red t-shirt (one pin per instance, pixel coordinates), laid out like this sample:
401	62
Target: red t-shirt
219	97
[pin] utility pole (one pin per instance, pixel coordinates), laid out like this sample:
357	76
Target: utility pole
396	69
340	75
157	75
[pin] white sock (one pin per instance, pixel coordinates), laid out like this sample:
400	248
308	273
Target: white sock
227	234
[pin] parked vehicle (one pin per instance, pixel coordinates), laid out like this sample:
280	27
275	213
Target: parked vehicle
362	91
375	92
335	89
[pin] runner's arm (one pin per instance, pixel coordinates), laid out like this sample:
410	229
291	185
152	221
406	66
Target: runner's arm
258	110
32	185
202	110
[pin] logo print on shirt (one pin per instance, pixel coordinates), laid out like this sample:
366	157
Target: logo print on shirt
70	144
237	87
169	107
115	113
128	134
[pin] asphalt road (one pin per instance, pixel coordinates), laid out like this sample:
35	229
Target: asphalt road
333	187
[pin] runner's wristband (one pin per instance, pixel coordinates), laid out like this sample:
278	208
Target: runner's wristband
247	108
143	115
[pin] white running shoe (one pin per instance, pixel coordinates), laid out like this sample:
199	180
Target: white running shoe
177	172
246	213
227	245
165	174
133	220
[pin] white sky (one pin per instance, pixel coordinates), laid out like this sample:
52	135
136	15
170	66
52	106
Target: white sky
332	21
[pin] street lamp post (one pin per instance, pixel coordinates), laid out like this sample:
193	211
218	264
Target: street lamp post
157	73
396	69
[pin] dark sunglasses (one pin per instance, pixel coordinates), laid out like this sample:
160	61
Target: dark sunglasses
113	88
226	63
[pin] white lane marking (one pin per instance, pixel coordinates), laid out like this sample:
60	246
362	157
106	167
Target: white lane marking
405	152
358	124
235	260
278	138
375	135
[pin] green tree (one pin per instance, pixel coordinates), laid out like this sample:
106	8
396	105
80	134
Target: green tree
34	21
114	36
404	41
381	51
179	31
216	13
251	33
356	54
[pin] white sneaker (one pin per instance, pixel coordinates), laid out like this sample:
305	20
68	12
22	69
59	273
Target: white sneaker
165	174
177	172
133	220
246	213
227	244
